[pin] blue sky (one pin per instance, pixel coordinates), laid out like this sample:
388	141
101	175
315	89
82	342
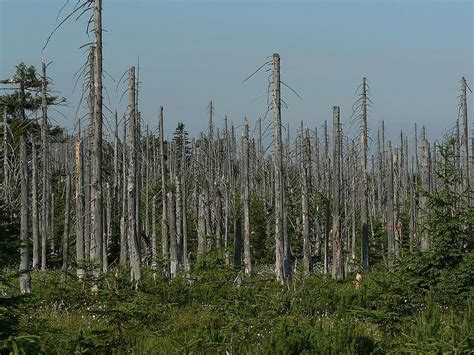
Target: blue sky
412	52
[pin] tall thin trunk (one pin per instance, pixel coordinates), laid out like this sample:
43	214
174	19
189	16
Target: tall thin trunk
34	208
279	193
25	279
45	177
124	218
327	188
246	188
337	258
153	235
79	208
96	176
172	233
183	206
365	180
108	228
306	181
465	132
425	184
164	219
390	209
132	171
65	264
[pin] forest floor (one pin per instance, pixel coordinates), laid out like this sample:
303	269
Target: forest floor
217	311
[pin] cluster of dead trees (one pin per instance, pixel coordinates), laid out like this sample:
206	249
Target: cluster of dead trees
323	192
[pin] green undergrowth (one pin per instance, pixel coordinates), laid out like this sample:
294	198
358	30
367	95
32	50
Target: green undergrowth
217	310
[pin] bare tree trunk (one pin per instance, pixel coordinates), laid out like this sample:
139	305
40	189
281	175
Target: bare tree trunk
172	233
34	208
79	208
25	279
279	197
337	259
327	188
124	218
164	219
201	228
153	235
246	185
132	171
390	209
425	184
44	152
306	181
183	206
51	222
96	180
108	235
465	132
65	264
6	183
365	180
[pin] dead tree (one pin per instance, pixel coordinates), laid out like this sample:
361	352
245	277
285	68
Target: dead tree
306	181
164	218
135	259
45	177
282	267
79	207
337	247
246	195
96	176
365	180
25	279
465	142
124	217
34	208
65	263
390	207
425	187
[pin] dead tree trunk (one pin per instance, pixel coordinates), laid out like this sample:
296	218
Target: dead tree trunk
25	279
45	177
65	264
132	171
337	258
327	189
34	208
246	188
365	180
184	204
124	218
79	208
164	219
390	208
425	185
96	183
465	132
280	271
306	181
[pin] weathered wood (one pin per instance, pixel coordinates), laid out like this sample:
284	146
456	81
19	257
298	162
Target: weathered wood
96	171
164	214
246	198
65	264
365	181
44	165
79	206
25	279
34	207
337	240
135	260
425	186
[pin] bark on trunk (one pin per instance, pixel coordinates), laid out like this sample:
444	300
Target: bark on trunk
25	280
